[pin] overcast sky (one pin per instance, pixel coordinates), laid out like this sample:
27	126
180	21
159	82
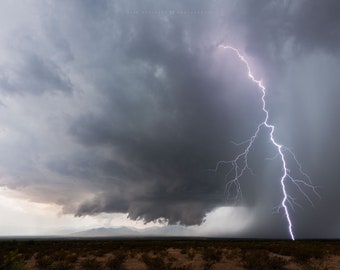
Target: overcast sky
113	113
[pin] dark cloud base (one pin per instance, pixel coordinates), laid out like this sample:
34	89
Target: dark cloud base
145	105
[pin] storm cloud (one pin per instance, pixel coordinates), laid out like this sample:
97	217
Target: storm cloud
127	107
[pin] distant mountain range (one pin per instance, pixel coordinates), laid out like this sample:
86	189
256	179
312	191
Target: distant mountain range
133	232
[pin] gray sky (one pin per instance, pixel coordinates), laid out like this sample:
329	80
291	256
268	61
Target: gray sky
121	108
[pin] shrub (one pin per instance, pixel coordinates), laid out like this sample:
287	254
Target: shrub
207	265
182	267
59	255
155	263
307	251
18	264
191	254
90	264
212	254
59	265
116	262
71	258
260	260
276	263
255	260
11	261
44	262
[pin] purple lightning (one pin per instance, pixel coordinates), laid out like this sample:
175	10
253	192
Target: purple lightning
242	158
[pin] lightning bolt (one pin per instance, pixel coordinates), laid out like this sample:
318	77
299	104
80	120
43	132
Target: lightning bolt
240	164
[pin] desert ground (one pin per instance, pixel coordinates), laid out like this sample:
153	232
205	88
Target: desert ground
168	254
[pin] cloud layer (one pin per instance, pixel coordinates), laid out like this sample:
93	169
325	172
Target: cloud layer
127	106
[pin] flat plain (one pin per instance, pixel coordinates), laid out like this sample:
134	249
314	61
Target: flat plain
168	254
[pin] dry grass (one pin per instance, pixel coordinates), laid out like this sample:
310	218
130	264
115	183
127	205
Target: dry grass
168	254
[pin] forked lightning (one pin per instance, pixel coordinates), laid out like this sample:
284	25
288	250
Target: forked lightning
240	163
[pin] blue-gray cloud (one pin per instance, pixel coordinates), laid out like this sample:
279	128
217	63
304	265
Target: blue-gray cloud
125	106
